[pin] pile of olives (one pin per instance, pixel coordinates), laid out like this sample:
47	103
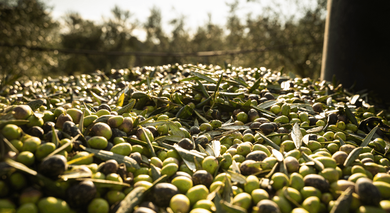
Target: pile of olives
191	138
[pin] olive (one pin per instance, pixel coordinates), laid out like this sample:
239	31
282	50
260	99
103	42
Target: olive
70	128
267	128
186	143
110	166
194	130
202	177
47	126
316	181
62	118
267	206
256	155
149	205
36	131
22	112
101	129
249	167
79	195
104	106
162	193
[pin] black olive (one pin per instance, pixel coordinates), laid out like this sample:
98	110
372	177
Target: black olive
186	143
162	193
81	194
202	177
53	166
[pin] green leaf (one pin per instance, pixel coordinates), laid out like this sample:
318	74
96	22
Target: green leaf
188	155
368	137
317	164
269	142
148	142
107	155
350	115
255	85
343	203
353	155
203	89
127	108
204	77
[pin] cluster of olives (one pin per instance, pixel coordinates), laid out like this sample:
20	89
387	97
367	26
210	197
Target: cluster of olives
195	139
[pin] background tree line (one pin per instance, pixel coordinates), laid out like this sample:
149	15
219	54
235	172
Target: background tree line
292	42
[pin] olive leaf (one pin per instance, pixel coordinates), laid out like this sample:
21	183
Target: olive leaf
210	150
314	130
317	164
216	145
341	140
204	77
236	177
267	104
155	173
266	112
352	156
200	116
188	155
75	174
148	142
278	155
136	196
105	183
296	135
227	194
107	155
202	88
227	207
126	108
20	166
368	137
54	137
255	85
235	167
269	142
80	159
191	165
350	115
343	203
234	127
9	144
63	147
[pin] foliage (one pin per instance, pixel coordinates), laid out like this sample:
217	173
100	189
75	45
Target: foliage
26	23
271	40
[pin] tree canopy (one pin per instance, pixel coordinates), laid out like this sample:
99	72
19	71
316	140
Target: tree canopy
270	40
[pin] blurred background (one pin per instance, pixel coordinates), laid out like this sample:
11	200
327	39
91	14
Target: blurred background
54	37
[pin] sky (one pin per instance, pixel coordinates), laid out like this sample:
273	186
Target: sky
195	12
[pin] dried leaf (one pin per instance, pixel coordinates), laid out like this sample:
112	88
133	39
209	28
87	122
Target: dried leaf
216	145
20	166
296	135
278	155
235	167
236	177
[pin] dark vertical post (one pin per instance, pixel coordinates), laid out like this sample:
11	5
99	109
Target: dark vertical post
357	45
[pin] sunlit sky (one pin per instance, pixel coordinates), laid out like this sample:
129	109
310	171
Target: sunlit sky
195	12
